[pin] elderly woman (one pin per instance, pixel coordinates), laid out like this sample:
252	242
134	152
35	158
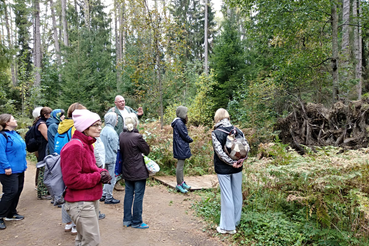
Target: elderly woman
13	164
83	178
132	146
229	174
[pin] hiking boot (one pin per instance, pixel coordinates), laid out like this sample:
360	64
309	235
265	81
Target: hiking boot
74	230
185	186
46	197
2	224
102	199
101	216
180	189
222	231
118	186
15	217
111	201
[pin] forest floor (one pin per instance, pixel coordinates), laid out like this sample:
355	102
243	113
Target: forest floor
171	221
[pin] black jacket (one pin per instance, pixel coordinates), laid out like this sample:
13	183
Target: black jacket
181	140
132	146
220	166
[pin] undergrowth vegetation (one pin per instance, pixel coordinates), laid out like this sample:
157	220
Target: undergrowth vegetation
316	199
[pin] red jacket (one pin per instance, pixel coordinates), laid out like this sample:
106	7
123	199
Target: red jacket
80	173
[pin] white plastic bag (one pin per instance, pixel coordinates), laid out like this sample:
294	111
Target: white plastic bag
151	166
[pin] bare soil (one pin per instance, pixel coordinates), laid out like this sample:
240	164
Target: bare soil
168	214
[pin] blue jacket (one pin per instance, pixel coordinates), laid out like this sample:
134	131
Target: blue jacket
12	153
181	140
52	129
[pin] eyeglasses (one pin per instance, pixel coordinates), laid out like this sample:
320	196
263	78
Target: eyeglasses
96	125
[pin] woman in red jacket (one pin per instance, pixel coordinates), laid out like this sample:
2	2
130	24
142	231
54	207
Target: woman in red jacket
83	178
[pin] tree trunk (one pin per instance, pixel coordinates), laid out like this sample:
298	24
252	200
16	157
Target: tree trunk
10	43
357	46
87	14
117	54
334	60
56	39
64	21
37	43
206	37
345	49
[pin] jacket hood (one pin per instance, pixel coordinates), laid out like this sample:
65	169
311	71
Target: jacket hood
110	118
65	125
51	121
223	123
181	112
174	121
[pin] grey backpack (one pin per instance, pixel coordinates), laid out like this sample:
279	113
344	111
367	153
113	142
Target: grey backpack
236	145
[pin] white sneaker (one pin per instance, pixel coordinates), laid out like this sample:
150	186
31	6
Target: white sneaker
74	230
220	230
68	227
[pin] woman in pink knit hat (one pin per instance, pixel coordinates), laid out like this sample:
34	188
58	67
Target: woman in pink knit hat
83	178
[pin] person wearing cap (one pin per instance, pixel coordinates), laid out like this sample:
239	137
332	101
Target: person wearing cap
181	146
57	116
83	178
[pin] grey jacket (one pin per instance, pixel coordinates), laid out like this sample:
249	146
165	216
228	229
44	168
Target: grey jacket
110	138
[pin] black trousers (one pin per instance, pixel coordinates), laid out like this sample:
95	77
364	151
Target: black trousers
12	188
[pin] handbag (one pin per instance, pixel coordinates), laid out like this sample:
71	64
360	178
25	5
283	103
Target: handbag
151	166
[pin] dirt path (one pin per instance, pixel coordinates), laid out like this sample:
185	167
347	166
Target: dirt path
168	214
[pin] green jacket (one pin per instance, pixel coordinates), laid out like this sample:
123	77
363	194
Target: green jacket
119	127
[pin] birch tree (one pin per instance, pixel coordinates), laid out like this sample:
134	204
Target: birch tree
37	43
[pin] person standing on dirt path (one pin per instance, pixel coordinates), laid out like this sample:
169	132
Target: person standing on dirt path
181	146
13	164
122	110
83	178
134	172
229	174
110	140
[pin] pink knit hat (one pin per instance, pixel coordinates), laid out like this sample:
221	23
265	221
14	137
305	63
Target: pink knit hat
83	119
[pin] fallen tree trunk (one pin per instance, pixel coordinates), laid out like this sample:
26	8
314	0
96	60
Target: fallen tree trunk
343	125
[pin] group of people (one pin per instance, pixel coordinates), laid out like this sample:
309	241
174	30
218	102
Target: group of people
89	160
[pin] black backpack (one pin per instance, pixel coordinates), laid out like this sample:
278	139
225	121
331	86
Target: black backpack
32	142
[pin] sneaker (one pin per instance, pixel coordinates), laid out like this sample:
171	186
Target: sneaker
118	186
141	226
2	224
111	201
185	186
74	230
15	217
101	216
68	227
180	189
47	197
102	199
222	231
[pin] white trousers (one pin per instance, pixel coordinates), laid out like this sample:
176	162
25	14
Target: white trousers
231	200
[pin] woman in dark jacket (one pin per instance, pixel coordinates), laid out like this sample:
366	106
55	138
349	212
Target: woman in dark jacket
13	164
41	134
132	146
229	174
181	146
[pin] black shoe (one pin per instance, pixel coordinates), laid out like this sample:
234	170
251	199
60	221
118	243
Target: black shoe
111	201
15	217
102	199
101	216
2	224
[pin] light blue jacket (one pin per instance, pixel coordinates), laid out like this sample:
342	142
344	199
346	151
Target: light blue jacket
12	153
110	138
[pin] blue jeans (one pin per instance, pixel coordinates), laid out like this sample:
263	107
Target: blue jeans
12	188
135	191
108	188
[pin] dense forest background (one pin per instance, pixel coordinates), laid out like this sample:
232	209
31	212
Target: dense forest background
257	61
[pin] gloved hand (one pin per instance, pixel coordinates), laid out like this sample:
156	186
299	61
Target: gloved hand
105	177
